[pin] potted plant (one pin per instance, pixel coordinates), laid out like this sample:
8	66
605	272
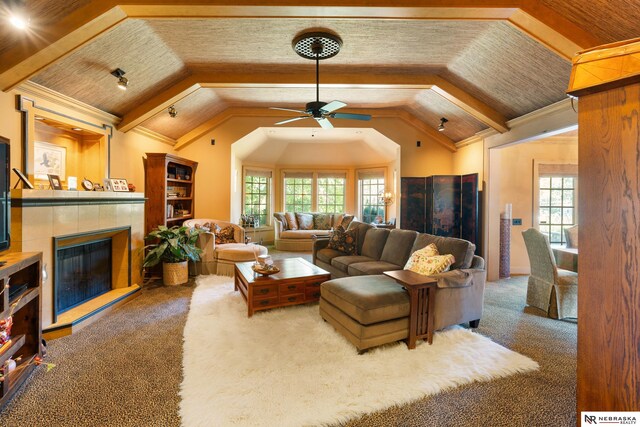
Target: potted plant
174	246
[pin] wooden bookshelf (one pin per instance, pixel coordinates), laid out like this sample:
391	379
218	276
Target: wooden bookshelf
169	189
22	301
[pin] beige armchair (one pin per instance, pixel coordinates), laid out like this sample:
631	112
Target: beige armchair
221	258
551	289
571	236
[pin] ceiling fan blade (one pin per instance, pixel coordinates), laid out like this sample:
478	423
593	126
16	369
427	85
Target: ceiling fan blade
325	123
332	106
351	116
293	120
287	109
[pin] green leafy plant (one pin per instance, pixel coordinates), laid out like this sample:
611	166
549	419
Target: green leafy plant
175	244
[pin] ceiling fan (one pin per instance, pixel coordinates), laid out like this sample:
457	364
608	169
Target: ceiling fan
317	46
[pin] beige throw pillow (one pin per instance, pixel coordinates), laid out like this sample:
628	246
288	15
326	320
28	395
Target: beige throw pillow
292	223
428	261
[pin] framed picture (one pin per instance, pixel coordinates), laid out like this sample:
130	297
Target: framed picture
118	184
54	180
23	178
107	184
49	159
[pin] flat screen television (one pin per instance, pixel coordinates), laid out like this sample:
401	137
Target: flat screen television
5	194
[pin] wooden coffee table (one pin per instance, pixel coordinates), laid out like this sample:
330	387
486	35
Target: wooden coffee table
297	282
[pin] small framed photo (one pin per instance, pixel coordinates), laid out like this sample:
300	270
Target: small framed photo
118	184
54	181
107	184
23	178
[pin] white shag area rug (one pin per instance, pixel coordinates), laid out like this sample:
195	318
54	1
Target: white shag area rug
287	367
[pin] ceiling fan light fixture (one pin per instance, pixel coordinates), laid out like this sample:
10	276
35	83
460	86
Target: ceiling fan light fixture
317	45
442	122
123	82
172	112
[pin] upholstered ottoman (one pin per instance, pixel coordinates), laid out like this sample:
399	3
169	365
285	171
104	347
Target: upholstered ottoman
368	310
230	253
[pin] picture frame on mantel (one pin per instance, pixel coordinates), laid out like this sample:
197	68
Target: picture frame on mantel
54	181
119	185
49	159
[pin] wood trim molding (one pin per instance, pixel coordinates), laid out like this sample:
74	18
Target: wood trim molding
93	19
476	108
229	113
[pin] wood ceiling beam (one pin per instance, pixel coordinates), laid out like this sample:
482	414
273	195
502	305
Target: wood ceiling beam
53	43
476	108
160	102
396	113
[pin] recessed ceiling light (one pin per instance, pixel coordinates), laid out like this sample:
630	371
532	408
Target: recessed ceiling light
76	129
39	118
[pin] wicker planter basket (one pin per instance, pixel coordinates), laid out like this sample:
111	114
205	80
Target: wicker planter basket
175	273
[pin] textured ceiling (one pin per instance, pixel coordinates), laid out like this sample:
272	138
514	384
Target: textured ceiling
492	61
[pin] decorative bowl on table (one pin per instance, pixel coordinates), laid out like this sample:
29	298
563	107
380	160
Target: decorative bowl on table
265	270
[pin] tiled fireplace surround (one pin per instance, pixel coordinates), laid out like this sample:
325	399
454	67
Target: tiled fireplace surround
37	216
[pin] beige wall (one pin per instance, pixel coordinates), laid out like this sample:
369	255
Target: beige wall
215	189
517	185
470	159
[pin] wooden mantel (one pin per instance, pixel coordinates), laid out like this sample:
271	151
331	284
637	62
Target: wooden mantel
607	82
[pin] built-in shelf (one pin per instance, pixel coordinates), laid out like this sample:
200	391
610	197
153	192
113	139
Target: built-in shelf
23	299
9	349
179	218
181	181
179	198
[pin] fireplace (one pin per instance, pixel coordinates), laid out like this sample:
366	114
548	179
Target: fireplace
88	265
83	273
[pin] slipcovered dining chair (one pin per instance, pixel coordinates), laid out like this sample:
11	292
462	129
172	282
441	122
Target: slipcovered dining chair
551	289
571	236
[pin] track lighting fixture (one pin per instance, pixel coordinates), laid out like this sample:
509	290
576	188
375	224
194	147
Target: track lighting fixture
123	82
16	12
172	111
442	122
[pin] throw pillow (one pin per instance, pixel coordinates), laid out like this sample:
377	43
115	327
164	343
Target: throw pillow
205	226
344	240
336	220
280	217
305	221
346	220
292	223
322	221
424	262
225	235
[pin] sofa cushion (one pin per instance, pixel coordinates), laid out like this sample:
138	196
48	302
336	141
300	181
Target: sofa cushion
322	221
374	242
336	219
302	234
376	299
398	246
280	217
342	262
305	221
292	222
462	250
346	221
371	267
344	241
362	231
326	254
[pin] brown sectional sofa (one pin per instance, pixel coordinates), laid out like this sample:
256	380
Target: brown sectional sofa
371	309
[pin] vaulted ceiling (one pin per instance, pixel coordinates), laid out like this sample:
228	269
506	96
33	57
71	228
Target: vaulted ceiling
477	63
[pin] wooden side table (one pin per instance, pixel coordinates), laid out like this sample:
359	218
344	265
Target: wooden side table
422	295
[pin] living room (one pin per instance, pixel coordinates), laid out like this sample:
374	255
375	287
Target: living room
221	89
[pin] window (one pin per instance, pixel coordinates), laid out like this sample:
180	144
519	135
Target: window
314	192
556	205
298	192
370	186
257	201
331	193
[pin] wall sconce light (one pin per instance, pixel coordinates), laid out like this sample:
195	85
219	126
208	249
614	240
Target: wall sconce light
386	197
123	82
442	122
172	111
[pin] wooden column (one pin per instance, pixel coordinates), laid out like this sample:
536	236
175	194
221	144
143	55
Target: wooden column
607	82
